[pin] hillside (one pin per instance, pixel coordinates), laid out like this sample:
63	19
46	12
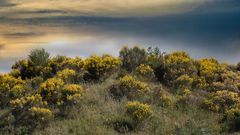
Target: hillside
141	92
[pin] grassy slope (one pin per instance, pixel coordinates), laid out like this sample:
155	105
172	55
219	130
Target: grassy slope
97	108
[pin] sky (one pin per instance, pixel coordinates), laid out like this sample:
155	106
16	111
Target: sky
203	28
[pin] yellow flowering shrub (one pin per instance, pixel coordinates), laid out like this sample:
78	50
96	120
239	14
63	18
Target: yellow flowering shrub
145	72
17	91
10	88
178	64
209	72
40	115
99	66
138	111
50	90
73	63
31	110
184	82
132	87
67	75
221	101
231	79
28	101
71	93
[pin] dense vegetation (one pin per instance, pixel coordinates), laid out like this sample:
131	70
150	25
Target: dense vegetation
140	92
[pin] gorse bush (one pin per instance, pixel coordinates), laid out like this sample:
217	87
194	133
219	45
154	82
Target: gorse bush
128	86
178	64
59	94
67	75
221	101
50	90
138	111
133	88
145	72
59	63
71	93
184	82
10	88
98	67
31	111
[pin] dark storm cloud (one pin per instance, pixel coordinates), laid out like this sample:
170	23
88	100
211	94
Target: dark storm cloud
22	34
46	11
6	3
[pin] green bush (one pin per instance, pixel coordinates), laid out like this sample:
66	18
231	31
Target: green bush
39	57
155	60
132	57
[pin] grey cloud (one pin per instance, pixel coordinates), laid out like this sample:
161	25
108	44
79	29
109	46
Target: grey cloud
46	11
6	3
22	34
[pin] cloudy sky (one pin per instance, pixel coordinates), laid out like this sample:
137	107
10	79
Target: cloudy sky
204	28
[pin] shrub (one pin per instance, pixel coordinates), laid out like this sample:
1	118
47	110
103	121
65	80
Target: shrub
230	79
209	71
10	88
73	63
132	88
145	72
36	82
132	57
138	111
238	66
67	75
31	111
232	118
221	101
41	115
98	67
155	60
71	93
123	124
178	64
39	57
184	82
50	90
